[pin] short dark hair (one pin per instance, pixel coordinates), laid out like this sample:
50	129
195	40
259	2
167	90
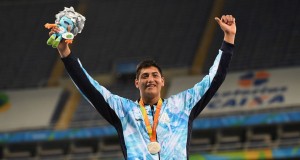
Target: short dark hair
145	64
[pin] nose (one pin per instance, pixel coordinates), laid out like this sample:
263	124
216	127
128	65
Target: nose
150	78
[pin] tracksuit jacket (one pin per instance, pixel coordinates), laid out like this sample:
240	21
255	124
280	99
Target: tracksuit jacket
176	115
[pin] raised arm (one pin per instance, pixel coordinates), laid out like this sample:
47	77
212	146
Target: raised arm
96	94
203	91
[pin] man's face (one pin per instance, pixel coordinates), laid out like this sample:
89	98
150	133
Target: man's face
150	82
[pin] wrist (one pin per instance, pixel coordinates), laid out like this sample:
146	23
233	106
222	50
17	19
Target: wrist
64	51
229	37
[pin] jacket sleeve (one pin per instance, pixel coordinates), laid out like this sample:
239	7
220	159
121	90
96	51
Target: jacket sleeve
211	82
103	101
196	98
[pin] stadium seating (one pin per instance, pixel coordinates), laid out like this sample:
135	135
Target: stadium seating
27	61
263	41
167	31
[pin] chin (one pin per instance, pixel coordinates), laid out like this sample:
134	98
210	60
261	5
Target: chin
150	94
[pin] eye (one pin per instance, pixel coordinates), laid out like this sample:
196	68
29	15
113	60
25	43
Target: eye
144	76
155	75
66	22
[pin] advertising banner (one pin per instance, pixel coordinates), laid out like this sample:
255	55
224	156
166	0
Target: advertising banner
28	108
276	153
249	90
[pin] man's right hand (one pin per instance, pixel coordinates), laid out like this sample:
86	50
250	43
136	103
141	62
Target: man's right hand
63	48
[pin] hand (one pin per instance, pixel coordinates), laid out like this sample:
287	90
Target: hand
63	47
227	24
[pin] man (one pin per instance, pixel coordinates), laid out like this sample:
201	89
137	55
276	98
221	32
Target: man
152	127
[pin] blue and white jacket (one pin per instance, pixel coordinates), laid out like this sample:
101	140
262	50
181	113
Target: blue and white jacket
176	115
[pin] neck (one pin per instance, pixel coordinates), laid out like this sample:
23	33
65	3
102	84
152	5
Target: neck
150	101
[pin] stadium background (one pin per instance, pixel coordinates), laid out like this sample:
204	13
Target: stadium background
255	114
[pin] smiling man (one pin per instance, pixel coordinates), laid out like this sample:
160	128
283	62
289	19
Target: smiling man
153	128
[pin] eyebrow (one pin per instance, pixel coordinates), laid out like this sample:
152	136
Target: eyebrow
150	73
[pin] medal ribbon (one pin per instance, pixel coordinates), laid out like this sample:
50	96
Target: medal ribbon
151	131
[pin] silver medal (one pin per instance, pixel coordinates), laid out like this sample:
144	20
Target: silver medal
153	147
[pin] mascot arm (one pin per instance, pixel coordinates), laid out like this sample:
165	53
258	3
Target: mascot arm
49	26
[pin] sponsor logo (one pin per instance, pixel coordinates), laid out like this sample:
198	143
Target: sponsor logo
251	79
252	91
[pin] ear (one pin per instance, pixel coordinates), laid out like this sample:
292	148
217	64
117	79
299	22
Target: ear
136	82
162	81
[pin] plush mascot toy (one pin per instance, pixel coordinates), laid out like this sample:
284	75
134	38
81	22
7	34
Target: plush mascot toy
69	22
